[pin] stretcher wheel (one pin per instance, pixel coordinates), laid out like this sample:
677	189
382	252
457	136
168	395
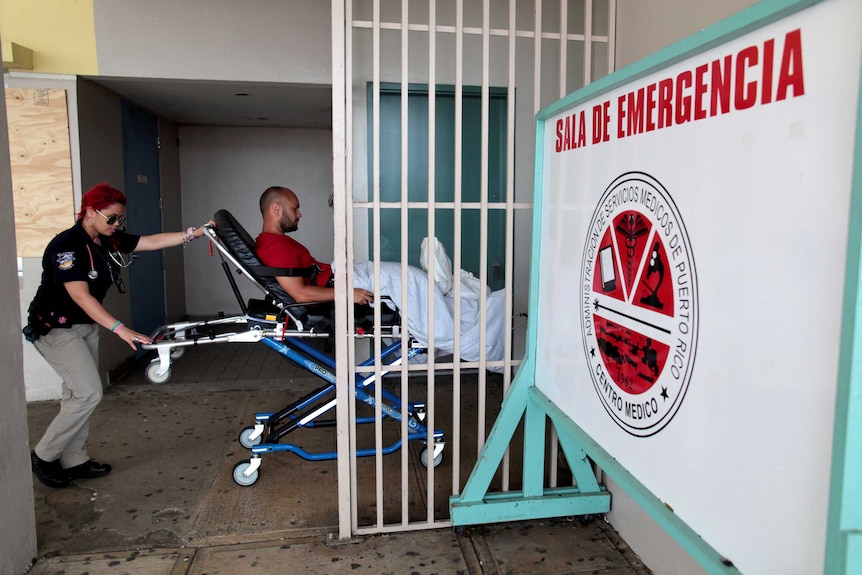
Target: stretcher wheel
238	474
153	376
178	352
423	458
245	438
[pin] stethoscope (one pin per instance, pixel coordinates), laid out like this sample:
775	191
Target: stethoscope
93	274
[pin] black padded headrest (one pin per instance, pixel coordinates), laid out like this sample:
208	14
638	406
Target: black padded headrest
241	245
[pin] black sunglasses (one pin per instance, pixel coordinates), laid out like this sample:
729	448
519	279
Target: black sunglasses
113	219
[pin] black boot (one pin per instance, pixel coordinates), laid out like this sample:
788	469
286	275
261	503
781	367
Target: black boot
50	473
88	470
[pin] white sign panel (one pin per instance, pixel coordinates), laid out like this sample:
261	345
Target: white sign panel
694	230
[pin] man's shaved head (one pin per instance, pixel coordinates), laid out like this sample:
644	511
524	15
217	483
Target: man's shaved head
273	195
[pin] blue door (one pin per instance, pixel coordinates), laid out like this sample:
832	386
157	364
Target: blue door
144	215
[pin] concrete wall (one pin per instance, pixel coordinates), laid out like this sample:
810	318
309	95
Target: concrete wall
252	40
18	530
173	219
646	27
229	168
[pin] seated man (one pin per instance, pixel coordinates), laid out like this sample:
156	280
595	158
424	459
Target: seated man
280	209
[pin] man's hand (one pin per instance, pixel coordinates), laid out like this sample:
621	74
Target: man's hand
362	297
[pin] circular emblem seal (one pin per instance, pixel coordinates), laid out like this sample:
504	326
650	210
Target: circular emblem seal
640	308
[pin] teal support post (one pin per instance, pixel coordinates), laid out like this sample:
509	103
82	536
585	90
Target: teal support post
844	524
495	447
534	451
475	505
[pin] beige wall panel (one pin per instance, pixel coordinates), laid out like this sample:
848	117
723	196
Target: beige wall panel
39	152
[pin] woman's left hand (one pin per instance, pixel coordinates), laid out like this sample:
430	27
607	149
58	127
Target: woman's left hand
200	231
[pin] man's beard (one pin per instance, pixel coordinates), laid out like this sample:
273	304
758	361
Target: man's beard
288	226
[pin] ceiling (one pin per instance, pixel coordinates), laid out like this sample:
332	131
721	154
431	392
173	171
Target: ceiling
212	103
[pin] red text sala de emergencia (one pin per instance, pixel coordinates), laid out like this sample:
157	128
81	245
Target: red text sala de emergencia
737	81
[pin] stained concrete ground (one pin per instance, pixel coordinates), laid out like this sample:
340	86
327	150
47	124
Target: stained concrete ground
170	506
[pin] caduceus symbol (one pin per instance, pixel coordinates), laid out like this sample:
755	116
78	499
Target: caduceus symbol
632	227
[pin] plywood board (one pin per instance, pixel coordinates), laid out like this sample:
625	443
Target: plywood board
40	156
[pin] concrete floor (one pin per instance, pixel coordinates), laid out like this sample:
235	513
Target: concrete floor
170	505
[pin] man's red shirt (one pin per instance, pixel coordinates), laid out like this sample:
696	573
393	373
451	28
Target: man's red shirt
281	251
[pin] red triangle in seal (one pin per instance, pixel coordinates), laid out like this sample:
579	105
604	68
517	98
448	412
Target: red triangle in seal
655	288
632	230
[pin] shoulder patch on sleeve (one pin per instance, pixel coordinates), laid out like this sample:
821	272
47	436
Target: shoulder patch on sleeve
66	260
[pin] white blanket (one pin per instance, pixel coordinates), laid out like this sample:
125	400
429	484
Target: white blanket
444	311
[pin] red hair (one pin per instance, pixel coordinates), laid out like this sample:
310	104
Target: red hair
100	197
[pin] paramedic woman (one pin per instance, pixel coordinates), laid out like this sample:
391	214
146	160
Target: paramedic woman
78	267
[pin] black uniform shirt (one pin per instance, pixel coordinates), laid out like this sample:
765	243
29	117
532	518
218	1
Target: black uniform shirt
73	256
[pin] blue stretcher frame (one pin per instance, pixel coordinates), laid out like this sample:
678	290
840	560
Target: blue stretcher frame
311	359
844	526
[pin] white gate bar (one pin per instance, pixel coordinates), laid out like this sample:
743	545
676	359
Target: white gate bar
349	223
564	48
432	179
564	44
537	57
378	413
340	136
611	37
421	204
510	223
471	31
405	169
455	440
348	248
588	42
347	201
483	223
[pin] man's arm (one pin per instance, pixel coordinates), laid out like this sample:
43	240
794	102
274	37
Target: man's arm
301	293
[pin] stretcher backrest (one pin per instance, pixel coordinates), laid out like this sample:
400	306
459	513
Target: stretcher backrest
241	246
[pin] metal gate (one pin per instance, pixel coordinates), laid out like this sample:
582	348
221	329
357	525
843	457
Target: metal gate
533	53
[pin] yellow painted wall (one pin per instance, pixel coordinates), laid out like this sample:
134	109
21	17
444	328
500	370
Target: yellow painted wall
61	33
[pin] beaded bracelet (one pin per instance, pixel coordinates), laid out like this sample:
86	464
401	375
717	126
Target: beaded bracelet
189	235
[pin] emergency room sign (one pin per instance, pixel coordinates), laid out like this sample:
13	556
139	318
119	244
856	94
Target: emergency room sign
698	225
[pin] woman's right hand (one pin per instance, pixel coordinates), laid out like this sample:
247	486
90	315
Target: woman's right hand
131	337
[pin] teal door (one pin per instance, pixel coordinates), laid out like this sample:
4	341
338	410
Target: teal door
390	175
